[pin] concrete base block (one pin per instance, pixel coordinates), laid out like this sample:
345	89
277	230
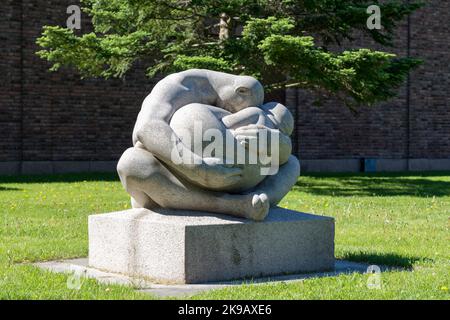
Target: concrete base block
429	164
37	167
70	166
55	167
170	246
307	165
79	269
392	165
103	166
330	165
10	168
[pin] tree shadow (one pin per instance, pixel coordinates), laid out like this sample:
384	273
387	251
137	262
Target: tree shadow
9	189
384	259
375	185
70	177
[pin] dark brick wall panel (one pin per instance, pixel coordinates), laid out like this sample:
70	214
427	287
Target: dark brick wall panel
64	118
10	80
388	130
58	117
332	131
430	84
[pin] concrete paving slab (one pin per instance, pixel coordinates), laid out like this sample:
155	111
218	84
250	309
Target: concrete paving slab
80	267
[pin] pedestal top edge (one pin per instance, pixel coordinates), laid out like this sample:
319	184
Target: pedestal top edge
186	217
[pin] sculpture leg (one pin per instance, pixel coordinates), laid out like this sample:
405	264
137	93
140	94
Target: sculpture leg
141	200
277	186
144	176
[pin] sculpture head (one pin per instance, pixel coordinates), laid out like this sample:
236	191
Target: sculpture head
239	93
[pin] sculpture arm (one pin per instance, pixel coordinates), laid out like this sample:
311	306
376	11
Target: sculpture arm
158	138
244	117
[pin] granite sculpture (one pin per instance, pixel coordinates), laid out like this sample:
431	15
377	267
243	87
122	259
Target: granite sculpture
210	161
167	167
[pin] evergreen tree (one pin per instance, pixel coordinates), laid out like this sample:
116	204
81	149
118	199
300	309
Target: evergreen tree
273	40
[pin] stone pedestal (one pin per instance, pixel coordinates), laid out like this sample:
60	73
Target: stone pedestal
194	247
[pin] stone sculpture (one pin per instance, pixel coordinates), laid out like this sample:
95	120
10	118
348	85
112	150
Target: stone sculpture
155	171
208	153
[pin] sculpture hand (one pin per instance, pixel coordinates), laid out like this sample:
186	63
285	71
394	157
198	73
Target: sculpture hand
250	135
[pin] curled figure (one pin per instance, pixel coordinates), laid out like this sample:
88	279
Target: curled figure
155	171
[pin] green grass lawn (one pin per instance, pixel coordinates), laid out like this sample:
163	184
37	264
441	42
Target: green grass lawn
386	219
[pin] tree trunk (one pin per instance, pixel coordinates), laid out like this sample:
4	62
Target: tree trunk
224	25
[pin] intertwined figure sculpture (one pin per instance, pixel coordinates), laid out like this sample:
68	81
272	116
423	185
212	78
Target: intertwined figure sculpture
174	162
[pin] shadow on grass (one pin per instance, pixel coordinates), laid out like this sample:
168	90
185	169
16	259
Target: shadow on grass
342	184
405	184
384	259
71	177
9	189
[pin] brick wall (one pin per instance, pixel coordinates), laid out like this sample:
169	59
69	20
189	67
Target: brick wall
414	125
10	80
430	85
54	117
57	116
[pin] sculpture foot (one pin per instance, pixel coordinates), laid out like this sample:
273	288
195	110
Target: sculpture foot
260	206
